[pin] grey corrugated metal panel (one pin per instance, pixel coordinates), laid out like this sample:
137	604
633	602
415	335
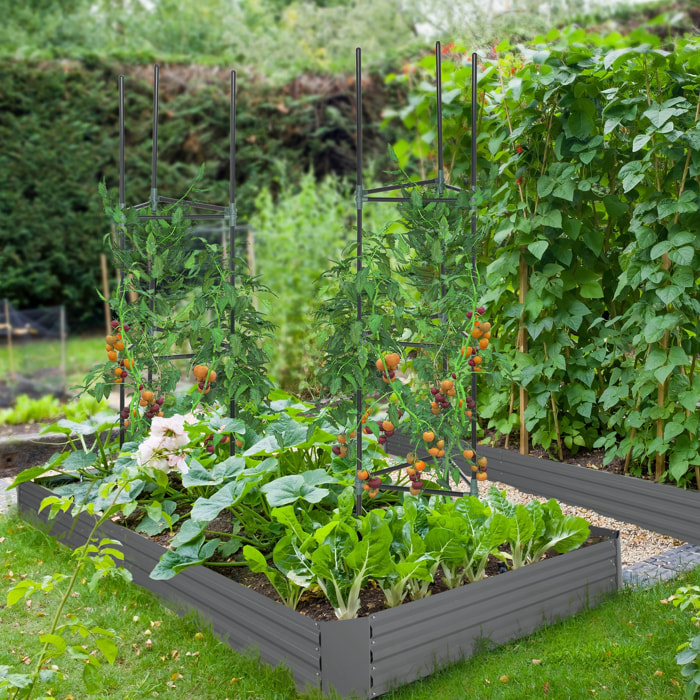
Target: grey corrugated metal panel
406	646
246	618
595	562
345	656
659	507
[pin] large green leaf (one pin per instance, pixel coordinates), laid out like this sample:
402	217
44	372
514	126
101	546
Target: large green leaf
174	561
206	509
581	119
289	489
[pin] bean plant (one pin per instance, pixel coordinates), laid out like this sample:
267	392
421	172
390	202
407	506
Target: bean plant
588	148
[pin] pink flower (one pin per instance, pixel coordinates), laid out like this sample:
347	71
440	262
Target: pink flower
163	447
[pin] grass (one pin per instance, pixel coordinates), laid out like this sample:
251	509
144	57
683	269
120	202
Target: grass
82	354
623	649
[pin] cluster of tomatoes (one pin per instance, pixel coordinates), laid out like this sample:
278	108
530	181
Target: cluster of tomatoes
481	332
441	395
386	430
205	378
478	464
209	442
148	401
414	469
114	346
341	449
388	366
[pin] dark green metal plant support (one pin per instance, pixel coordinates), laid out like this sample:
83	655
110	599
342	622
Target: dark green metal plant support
219	212
380	194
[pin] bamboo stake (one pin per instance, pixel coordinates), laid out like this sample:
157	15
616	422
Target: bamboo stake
510	413
555	413
8	325
62	324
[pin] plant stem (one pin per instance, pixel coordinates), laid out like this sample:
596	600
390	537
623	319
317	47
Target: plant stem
554	412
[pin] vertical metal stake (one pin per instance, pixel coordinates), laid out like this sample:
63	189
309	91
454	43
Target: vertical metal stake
473	489
122	236
232	220
358	197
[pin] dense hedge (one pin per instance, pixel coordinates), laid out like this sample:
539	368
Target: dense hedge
59	139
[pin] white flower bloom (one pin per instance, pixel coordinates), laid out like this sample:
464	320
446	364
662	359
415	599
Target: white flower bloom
149	455
170	431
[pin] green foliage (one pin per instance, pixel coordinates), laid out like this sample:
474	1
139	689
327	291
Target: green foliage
27	410
688	656
101	554
587	158
190	298
277	39
295	238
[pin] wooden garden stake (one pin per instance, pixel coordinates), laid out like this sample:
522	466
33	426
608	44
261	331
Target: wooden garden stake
555	413
8	326
510	412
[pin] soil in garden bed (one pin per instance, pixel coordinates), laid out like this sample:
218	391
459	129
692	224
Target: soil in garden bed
592	459
313	604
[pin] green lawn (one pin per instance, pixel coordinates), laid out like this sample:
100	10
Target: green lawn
82	354
623	649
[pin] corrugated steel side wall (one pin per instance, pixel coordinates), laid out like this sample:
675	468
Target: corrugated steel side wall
241	616
412	641
658	507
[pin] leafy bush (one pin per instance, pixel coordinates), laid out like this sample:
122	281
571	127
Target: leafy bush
688	656
297	236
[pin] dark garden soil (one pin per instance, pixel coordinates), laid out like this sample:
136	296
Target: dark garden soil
592	459
24	428
372	600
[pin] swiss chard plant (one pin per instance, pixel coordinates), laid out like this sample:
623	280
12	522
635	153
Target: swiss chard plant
535	528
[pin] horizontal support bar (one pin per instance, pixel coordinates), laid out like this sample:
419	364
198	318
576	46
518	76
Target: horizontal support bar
191	217
406	344
432	492
199	205
408	199
388	470
403	185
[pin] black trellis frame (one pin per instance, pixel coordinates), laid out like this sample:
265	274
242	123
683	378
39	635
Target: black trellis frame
370	195
222	212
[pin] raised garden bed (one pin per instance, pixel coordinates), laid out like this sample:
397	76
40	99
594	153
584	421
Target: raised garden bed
367	656
657	507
